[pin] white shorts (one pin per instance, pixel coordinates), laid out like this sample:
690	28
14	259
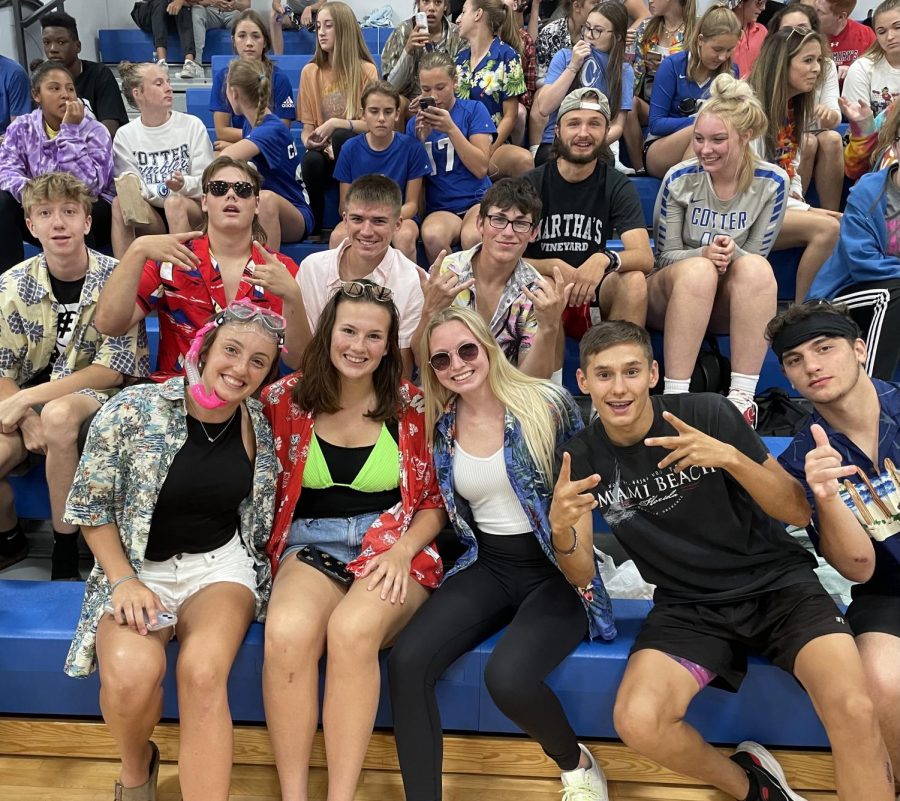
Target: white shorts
179	577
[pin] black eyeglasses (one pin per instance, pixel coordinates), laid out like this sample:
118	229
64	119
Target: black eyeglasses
441	360
356	289
242	189
500	222
592	33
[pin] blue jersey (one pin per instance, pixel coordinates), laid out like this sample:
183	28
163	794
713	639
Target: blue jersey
15	92
278	161
450	186
281	102
403	160
593	73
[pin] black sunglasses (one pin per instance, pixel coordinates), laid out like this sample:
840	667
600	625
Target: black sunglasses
440	361
242	189
356	289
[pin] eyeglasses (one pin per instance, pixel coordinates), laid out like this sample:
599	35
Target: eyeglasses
376	292
592	33
500	222
441	360
242	189
244	311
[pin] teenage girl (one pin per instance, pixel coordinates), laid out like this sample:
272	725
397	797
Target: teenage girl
717	216
457	136
663	34
383	151
598	61
682	81
785	78
169	187
875	77
331	88
822	148
284	211
490	70
250	41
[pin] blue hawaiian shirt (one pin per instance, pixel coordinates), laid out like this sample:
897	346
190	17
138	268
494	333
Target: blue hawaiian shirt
886	579
533	493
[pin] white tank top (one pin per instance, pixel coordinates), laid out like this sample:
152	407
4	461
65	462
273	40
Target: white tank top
483	482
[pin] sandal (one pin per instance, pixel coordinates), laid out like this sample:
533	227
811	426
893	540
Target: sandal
147	791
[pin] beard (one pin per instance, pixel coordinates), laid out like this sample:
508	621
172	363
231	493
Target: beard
579	158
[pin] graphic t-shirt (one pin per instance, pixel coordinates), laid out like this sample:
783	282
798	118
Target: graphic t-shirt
874	82
850	43
697	534
68	299
578	218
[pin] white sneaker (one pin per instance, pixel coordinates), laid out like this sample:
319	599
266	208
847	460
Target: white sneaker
163	65
191	69
584	784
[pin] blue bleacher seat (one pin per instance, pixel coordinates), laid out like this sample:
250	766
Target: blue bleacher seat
39	619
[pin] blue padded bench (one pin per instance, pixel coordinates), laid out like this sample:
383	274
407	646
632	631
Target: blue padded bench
132	44
292	65
37	620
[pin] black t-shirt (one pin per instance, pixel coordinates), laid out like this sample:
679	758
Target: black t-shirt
68	299
197	508
98	88
578	218
697	535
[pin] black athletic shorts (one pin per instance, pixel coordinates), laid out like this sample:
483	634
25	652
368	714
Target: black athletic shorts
718	637
875	613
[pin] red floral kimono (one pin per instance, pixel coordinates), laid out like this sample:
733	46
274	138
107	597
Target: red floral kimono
418	486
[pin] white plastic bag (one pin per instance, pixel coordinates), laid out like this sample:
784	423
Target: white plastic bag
623	581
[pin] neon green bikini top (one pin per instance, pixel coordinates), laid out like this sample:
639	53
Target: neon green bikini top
380	472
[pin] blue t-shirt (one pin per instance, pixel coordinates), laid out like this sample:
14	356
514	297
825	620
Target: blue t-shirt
593	74
670	89
450	186
886	578
278	161
404	159
282	100
15	92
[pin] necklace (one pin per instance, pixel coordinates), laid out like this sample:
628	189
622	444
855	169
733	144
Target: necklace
671	32
213	440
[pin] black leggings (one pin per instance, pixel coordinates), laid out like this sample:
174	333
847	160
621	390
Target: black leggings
162	22
14	232
876	308
318	172
512	583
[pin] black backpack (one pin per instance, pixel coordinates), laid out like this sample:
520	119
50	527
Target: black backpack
780	415
712	372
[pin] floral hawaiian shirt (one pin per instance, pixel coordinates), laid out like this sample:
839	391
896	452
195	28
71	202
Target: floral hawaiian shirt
496	78
513	323
532	491
131	445
29	319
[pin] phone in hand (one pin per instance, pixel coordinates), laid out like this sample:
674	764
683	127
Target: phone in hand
426	102
422	20
163	619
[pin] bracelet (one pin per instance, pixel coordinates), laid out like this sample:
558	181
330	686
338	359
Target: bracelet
574	544
350	124
117	582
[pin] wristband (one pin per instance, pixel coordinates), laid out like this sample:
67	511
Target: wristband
571	550
117	582
615	261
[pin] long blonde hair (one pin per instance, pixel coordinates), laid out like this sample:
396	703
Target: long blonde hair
349	51
735	102
717	21
539	406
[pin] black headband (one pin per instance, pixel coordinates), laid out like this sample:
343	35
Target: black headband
818	324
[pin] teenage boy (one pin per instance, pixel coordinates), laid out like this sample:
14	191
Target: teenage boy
56	368
692	494
584	200
371	220
847	38
522	308
855	425
189	277
94	83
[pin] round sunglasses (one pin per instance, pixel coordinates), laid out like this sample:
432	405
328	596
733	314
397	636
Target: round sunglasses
441	360
242	189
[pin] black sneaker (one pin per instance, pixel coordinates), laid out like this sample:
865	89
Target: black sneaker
765	773
13	548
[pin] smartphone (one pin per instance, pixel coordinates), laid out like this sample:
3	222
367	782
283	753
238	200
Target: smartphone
426	102
163	619
422	20
326	563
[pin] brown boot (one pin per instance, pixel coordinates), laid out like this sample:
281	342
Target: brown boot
147	791
135	210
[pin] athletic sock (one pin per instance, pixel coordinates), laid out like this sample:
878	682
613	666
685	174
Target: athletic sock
676	386
12	541
745	384
64	564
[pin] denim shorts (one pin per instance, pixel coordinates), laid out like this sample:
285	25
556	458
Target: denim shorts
340	537
178	578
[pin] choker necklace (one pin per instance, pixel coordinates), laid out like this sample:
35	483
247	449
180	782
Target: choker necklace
213	440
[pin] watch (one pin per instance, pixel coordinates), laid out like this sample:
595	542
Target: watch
615	261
